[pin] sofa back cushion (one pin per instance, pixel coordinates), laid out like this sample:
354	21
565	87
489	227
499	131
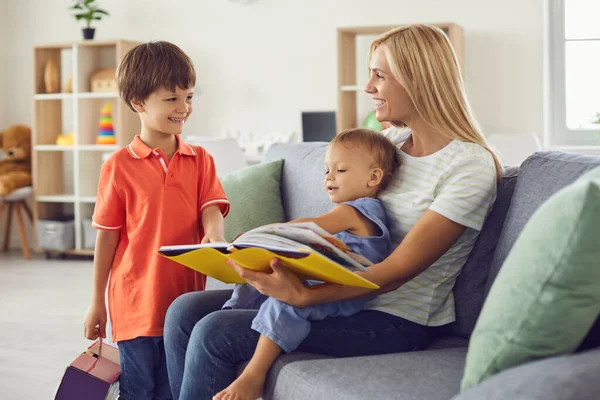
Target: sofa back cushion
540	176
546	296
302	177
248	190
469	289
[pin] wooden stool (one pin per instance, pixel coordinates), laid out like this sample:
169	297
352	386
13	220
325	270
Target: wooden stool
16	202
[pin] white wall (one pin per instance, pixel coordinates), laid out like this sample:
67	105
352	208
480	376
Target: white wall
6	50
260	64
7	71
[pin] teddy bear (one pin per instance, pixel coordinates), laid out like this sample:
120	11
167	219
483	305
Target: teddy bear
15	165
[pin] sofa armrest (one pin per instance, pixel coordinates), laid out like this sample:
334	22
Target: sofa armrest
573	376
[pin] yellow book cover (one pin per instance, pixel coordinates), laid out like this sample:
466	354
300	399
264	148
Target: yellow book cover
304	248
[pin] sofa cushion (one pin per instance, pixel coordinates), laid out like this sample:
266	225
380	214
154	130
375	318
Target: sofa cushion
469	289
255	197
302	191
423	375
547	294
446	342
540	176
573	376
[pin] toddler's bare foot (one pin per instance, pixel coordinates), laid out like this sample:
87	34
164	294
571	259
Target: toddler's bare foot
245	387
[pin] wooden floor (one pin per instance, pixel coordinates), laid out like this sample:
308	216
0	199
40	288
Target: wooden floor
42	306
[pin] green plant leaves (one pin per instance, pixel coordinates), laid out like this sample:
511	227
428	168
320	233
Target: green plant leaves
88	11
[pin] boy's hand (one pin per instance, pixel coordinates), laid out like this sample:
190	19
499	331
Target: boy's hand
211	238
94	324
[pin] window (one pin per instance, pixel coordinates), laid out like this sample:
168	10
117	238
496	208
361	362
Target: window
574	50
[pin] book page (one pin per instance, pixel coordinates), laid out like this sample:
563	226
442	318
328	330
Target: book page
294	237
321	232
311	226
258	239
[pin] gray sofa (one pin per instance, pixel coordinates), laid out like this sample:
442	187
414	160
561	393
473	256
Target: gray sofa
435	373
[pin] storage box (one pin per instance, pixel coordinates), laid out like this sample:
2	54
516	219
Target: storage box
92	376
58	234
89	233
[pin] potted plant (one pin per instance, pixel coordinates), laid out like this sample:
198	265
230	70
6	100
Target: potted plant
596	121
88	11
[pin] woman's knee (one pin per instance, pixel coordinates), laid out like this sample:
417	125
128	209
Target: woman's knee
189	308
224	334
177	314
206	333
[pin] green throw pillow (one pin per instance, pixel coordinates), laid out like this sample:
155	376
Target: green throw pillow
254	196
547	294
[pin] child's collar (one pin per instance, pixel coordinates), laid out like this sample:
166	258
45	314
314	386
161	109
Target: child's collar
138	149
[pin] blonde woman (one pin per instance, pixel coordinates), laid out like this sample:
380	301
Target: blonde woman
436	206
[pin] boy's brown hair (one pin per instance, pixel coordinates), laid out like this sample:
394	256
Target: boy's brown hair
150	66
374	143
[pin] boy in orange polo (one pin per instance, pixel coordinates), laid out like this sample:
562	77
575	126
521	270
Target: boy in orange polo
156	191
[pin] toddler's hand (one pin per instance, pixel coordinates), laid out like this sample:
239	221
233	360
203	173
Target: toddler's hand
94	324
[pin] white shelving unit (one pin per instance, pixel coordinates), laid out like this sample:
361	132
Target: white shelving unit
65	178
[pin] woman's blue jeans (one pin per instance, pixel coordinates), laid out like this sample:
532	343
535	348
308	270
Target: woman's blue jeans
204	344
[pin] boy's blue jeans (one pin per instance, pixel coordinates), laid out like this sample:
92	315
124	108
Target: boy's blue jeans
204	344
287	326
143	369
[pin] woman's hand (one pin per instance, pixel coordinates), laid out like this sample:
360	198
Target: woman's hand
281	283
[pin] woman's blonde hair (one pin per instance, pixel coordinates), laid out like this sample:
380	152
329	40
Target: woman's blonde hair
422	58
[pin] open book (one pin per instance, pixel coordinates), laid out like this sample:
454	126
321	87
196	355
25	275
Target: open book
305	248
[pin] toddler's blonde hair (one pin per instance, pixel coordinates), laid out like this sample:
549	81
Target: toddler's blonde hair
376	145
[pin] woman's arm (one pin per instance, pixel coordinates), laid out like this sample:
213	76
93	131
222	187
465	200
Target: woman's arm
427	241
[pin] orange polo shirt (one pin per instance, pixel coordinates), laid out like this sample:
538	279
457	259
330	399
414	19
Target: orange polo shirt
153	202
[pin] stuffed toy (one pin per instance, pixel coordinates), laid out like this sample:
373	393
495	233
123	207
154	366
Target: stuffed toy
15	166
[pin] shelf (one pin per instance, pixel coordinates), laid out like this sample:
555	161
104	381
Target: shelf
56	199
88	199
84	147
89	116
66	177
92	95
69	96
52	147
98	147
352	88
80	252
55	46
53	96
